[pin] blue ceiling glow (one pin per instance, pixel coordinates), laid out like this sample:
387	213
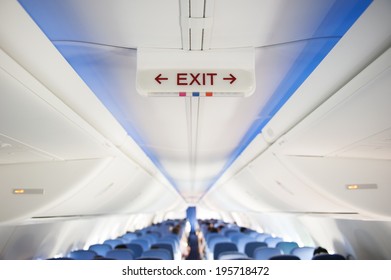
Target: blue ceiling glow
88	60
94	67
340	18
45	14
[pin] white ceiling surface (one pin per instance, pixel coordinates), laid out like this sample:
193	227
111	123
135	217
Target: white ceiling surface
49	144
151	23
344	141
192	139
164	123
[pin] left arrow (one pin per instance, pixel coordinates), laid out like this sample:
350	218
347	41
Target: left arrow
159	78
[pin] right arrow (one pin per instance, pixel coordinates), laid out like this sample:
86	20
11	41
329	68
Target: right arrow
232	78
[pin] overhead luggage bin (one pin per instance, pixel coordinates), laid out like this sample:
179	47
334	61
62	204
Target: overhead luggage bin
182	73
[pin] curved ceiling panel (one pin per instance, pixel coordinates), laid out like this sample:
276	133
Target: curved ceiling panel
199	138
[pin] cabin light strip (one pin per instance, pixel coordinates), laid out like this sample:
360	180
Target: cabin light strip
21	191
352	187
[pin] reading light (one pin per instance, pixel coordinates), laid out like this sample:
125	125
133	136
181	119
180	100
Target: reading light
361	186
20	191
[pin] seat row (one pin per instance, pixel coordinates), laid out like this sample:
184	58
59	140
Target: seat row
156	242
227	242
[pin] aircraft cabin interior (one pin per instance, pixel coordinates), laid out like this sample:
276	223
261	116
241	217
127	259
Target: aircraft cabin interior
195	129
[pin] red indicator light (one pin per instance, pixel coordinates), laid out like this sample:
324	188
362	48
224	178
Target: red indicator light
208	93
182	94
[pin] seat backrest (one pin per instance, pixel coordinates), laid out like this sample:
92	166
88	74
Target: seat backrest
229	231
286	247
152	238
166	246
304	253
120	254
232	255
100	249
328	257
82	255
236	236
265	253
285	257
143	242
210	235
250	247
137	249
223	247
262	236
242	241
156	234
272	241
216	239
129	236
172	239
113	242
162	254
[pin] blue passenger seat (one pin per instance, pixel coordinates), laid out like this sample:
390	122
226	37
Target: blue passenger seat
251	246
224	247
216	239
272	241
304	253
137	249
232	255
262	236
113	242
329	257
82	255
242	242
287	247
285	257
129	236
100	249
265	253
162	254
120	254
166	246
144	243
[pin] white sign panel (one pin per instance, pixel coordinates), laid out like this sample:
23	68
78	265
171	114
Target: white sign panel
195	73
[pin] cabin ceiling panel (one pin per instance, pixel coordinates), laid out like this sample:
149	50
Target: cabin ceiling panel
332	176
355	122
264	23
39	128
12	151
377	146
128	24
98	43
247	195
50	183
112	183
276	180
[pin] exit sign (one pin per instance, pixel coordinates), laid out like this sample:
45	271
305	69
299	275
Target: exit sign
162	72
